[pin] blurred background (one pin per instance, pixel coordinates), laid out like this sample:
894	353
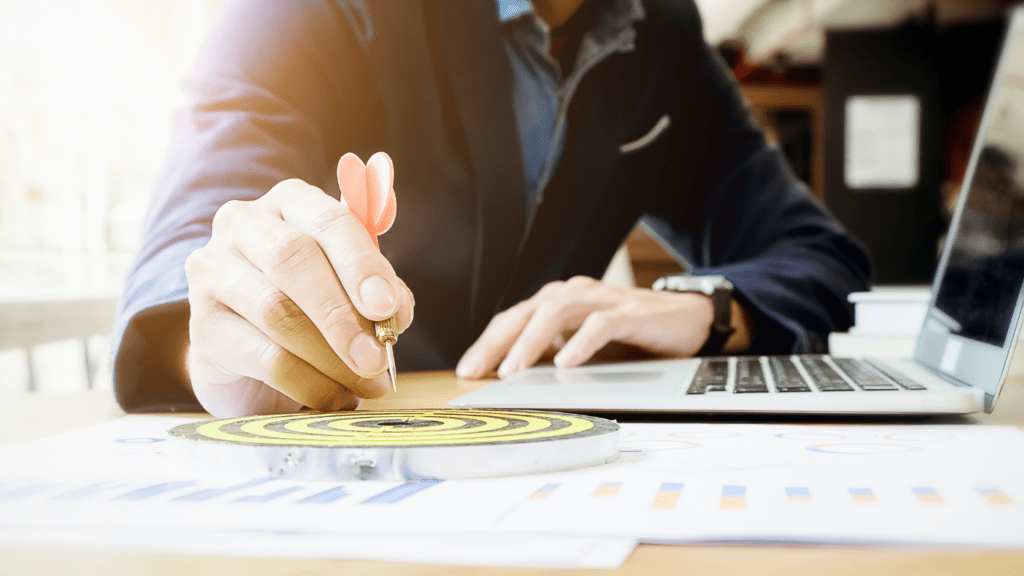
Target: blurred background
87	89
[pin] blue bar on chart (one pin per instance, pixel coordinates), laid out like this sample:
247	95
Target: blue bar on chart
326	497
733	498
996	497
261	498
399	493
87	491
798	493
608	489
208	494
668	495
863	495
156	490
26	491
928	495
544	491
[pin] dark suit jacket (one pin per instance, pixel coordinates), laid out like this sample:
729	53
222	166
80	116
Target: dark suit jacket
283	89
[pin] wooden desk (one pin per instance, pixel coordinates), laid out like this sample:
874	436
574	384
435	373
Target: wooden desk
27	416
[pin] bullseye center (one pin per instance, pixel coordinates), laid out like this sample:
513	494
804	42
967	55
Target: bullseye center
406	423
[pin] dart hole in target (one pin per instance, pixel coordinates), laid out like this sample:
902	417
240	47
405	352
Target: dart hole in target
407	423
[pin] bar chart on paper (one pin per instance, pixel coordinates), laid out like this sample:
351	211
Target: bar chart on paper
672	483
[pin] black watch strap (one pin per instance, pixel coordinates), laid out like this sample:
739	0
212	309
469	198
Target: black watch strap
719	289
721	327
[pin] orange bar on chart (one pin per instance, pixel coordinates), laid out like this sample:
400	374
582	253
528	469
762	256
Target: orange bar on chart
996	497
733	498
863	495
928	495
798	493
545	491
608	489
668	495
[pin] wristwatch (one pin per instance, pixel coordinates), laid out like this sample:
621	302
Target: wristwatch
720	291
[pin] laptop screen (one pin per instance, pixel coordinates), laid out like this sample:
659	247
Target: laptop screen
970	331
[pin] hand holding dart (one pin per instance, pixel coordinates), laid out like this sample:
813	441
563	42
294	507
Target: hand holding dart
368	192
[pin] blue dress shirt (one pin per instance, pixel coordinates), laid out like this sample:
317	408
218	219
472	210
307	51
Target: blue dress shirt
541	96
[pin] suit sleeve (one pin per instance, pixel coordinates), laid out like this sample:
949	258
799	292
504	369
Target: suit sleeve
262	108
791	262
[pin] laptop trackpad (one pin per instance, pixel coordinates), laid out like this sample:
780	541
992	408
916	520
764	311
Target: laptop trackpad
592	385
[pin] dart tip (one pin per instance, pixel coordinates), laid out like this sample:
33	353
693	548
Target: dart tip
391	366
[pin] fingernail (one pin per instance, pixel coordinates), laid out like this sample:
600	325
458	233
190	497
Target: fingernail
369	356
466	367
565	359
378	296
507	367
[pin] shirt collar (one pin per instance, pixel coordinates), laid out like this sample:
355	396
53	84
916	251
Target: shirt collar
512	9
629	10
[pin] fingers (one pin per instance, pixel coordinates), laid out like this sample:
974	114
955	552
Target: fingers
307	247
550	319
251	295
243	354
496	340
368	278
291	292
281	295
600	328
664	323
524	332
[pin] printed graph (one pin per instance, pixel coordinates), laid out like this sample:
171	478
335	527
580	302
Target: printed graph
155	490
863	495
798	493
733	497
688	483
545	491
270	496
326	497
608	489
88	491
311	493
928	495
668	495
995	496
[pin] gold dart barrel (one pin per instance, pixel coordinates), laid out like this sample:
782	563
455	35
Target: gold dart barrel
387	335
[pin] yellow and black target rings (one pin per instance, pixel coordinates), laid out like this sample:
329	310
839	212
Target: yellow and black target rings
397	428
399	444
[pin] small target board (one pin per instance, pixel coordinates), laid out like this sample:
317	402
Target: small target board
399	444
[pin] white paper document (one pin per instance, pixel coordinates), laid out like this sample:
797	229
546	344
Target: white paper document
117	485
882	142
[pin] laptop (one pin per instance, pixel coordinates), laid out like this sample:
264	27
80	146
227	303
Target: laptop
963	349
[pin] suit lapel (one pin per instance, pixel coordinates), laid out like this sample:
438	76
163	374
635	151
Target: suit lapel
478	72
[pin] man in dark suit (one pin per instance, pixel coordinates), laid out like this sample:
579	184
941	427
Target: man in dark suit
527	141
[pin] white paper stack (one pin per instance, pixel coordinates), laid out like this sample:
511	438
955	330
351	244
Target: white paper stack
886	322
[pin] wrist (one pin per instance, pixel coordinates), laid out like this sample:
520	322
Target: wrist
718	291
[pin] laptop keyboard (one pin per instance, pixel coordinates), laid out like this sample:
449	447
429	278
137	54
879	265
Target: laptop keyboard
865	375
749	377
814	373
787	377
824	377
712	376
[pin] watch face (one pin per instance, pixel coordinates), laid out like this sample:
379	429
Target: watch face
702	284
